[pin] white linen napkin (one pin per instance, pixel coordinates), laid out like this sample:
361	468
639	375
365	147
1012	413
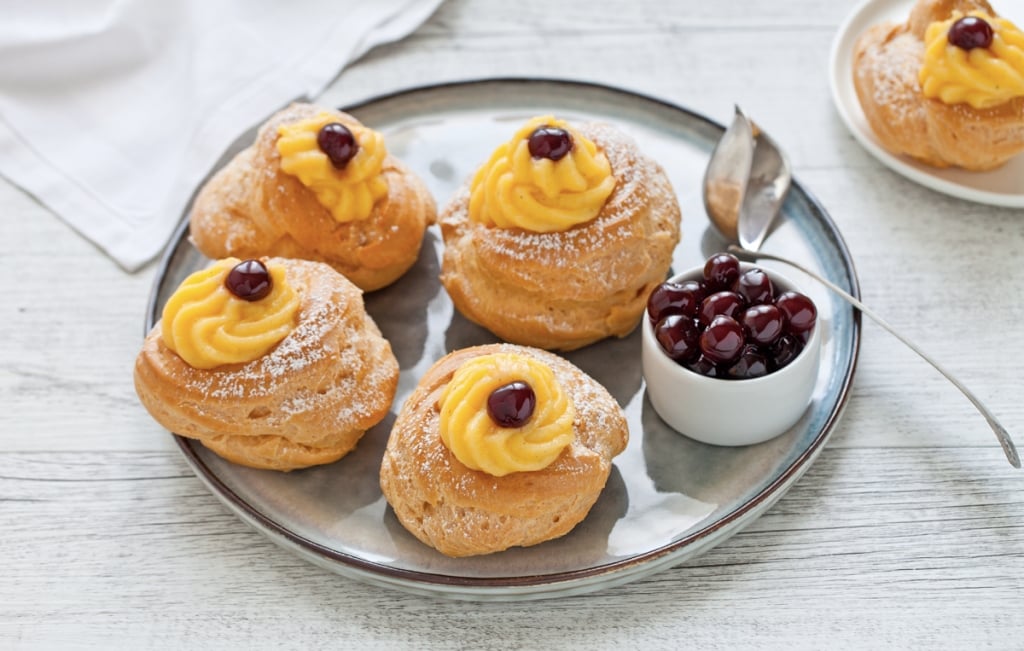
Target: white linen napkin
112	111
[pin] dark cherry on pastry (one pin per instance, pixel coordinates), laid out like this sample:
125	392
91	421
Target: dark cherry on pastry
550	142
512	404
970	32
249	280
338	143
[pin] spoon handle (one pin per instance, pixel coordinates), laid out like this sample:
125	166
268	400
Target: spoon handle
1009	449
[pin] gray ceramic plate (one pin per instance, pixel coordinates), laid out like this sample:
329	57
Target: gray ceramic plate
668	499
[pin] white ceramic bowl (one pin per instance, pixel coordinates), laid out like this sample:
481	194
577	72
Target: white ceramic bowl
730	412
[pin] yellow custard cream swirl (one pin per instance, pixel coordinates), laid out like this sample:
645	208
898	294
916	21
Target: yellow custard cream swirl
208	326
515	190
981	77
349	194
478	442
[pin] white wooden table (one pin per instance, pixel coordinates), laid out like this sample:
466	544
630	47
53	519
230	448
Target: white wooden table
908	531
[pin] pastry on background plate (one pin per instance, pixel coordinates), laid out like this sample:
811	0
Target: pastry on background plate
269	363
557	240
500	446
316	185
947	86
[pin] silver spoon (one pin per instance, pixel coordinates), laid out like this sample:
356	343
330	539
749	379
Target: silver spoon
745	183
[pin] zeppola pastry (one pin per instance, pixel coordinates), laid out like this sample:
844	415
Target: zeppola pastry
500	446
316	185
269	363
947	86
557	240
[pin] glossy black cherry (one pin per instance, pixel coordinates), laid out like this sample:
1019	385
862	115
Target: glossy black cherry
721	271
763	324
675	298
679	337
970	32
743	332
751	363
338	143
727	303
249	280
799	310
755	287
704	366
785	350
549	142
511	405
722	341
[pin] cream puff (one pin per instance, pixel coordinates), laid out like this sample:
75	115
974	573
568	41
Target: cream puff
500	446
316	185
556	241
270	363
947	86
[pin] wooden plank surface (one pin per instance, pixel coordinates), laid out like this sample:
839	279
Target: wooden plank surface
906	533
128	548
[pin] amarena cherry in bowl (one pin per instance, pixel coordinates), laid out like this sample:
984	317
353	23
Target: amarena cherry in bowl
730	411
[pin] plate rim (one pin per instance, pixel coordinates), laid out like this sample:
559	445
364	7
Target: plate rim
551	584
840	70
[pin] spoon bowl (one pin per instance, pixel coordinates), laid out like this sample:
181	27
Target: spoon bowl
748	174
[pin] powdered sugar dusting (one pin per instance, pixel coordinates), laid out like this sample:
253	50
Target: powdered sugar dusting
574	249
599	426
891	65
329	367
565	289
467	512
296	352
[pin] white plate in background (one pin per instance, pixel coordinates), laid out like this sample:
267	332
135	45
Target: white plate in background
1000	187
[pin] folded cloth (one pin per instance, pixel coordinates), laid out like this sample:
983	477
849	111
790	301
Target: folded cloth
113	111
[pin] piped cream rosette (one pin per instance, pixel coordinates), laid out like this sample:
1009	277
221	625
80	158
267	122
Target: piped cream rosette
516	190
479	442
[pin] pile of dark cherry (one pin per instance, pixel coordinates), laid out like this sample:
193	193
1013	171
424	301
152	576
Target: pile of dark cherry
730	324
